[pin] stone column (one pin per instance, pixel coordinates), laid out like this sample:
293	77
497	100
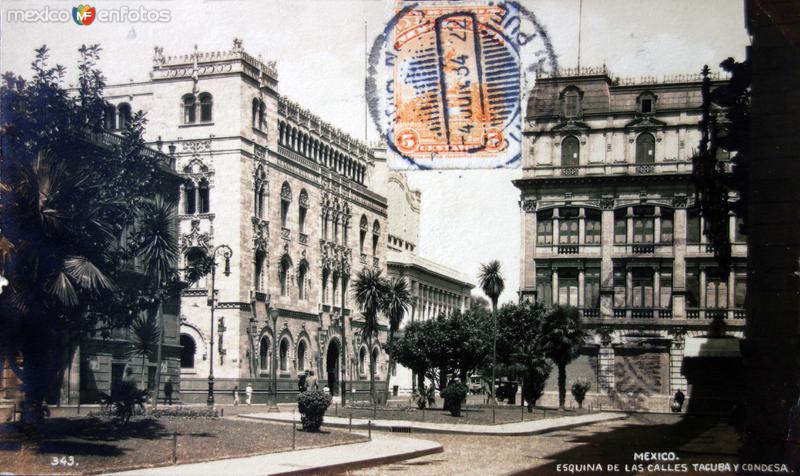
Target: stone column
656	287
581	297
556	232
702	292
657	226
555	285
606	264
629	224
731	293
528	243
679	261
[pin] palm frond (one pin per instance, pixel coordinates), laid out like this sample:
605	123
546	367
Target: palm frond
146	334
491	279
61	287
158	247
396	302
87	275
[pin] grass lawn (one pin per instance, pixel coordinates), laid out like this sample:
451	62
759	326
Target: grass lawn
99	445
471	414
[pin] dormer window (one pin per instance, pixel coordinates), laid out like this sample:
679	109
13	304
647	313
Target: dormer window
647	103
571	102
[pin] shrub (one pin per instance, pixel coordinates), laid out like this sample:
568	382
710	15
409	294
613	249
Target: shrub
184	412
312	406
579	389
125	398
454	395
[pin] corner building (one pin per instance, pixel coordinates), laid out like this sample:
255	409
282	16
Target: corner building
293	197
608	226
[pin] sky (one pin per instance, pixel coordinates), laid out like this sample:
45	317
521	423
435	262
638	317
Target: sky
468	217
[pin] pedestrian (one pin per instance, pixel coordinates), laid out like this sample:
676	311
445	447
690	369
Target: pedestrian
677	401
302	381
168	391
236	396
312	382
248	391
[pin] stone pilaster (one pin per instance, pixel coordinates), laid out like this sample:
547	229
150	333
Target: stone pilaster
676	378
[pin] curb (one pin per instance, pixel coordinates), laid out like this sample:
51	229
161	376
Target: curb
364	463
490	429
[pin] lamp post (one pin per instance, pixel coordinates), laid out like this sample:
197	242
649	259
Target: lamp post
273	313
226	253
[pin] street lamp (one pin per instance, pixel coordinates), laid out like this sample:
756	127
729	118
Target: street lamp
273	313
226	253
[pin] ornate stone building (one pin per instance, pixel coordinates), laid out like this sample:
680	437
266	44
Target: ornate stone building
608	226
435	289
296	201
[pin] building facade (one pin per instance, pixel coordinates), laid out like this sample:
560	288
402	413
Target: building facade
435	289
296	201
606	203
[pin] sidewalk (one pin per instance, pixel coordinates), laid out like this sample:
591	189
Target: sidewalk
381	450
507	429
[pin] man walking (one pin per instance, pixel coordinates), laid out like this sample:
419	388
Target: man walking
236	396
248	391
168	391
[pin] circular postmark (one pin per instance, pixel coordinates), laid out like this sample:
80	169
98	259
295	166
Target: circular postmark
453	82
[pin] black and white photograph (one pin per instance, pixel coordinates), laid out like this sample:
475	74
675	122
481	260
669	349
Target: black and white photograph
418	237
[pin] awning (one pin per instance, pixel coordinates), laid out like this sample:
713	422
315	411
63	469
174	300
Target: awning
711	347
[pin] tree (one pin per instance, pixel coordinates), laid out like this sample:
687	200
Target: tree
411	350
562	331
146	339
491	281
394	306
68	202
521	349
370	290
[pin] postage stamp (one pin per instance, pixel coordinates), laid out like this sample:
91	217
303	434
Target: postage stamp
455	82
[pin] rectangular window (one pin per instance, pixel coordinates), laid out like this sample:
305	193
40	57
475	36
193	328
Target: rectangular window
620	227
739	290
693	230
738	235
568	287
692	287
647	105
665	292
544	228
592	228
568	232
667	227
571	105
643	230
544	286
591	288
642	289
619	288
716	290
117	374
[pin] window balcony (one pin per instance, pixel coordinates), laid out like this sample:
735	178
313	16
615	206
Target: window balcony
693	314
376	263
363	259
642	313
739	314
591	313
303	239
588	249
286	234
642	248
615	168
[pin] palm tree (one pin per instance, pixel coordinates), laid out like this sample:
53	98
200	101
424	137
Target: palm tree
146	337
394	306
158	251
491	281
562	331
370	290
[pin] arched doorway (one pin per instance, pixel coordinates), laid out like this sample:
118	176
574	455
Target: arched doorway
332	367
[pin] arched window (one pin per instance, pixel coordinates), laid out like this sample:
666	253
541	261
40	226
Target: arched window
570	152
286	199
123	115
302	211
302	270
647	103
284	355
110	118
262	114
362	234
362	361
376	235
263	354
259	270
189	109
203	205
206	103
375	355
255	122
301	356
286	265
188	350
645	148
325	275
189	199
